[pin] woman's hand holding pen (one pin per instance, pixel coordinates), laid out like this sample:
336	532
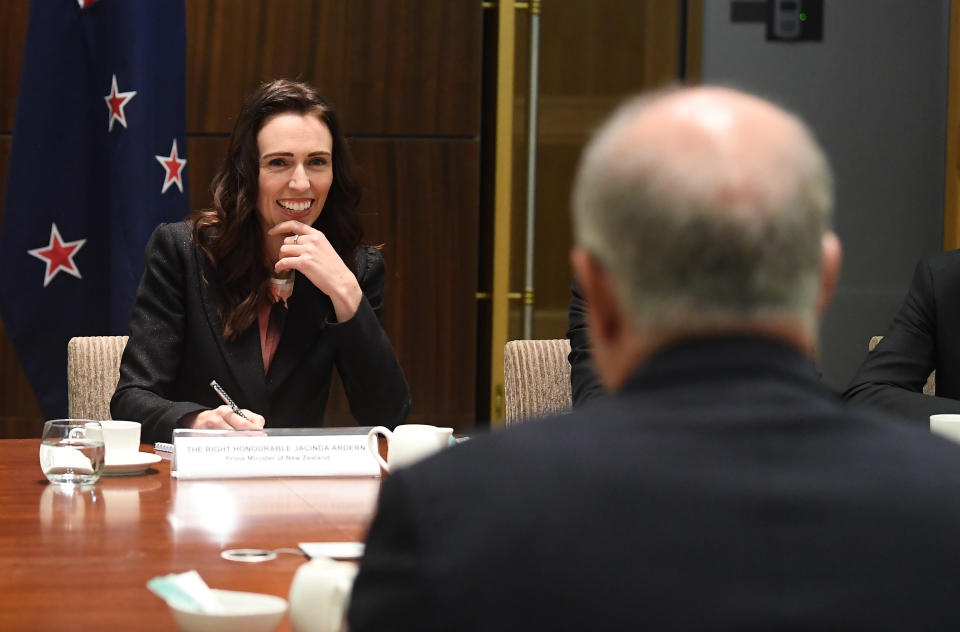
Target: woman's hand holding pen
223	418
309	252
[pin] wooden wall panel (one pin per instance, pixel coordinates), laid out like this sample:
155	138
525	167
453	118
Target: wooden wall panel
232	46
404	67
20	414
205	156
415	69
13	36
424	198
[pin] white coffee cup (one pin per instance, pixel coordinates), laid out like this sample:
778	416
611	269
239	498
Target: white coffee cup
946	425
320	595
121	440
408	443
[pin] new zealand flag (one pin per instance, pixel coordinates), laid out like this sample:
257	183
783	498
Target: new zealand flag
97	162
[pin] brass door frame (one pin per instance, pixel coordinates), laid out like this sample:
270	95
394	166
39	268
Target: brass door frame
500	295
503	190
951	197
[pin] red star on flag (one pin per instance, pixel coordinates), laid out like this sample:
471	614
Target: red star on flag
173	166
115	103
58	255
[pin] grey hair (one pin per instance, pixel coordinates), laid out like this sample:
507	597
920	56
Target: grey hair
696	242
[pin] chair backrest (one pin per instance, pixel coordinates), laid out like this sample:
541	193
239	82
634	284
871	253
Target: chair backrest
93	370
930	388
536	378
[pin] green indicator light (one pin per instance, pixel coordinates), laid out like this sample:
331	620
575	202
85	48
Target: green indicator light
803	17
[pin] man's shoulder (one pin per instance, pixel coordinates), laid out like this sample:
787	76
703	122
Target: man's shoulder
536	451
943	263
902	437
604	427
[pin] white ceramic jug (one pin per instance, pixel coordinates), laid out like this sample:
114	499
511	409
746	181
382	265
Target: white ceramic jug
320	595
408	443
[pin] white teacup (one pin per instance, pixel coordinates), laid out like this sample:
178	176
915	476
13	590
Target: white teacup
408	443
121	439
320	594
946	425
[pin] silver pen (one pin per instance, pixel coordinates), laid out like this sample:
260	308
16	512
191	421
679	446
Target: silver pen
226	398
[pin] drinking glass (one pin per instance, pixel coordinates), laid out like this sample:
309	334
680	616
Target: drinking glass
71	451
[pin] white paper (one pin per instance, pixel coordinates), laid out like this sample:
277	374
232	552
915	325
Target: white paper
335	550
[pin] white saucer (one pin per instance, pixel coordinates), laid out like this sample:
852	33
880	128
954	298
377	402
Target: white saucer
130	465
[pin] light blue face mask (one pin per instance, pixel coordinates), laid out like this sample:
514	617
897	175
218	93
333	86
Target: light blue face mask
186	591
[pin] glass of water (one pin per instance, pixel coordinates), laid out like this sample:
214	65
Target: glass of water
71	451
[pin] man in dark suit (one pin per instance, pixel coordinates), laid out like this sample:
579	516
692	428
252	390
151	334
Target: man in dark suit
720	485
924	336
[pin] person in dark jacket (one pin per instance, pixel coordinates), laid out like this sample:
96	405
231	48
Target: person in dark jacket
923	337
267	291
719	485
584	384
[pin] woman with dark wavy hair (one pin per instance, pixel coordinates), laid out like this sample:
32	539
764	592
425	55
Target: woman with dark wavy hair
265	292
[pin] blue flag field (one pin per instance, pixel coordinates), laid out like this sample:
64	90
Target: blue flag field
97	161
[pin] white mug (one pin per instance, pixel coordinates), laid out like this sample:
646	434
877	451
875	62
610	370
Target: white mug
121	439
320	595
946	425
408	443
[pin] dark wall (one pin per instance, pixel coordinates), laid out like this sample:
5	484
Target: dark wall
405	77
874	92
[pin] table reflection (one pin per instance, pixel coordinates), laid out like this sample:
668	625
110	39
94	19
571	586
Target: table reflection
341	499
219	507
111	502
69	508
122	498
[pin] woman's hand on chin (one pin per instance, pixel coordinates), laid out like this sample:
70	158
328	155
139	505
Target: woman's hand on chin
309	252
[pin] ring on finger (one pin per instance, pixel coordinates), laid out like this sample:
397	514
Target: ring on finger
296	237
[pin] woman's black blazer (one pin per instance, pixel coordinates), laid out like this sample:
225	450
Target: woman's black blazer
176	347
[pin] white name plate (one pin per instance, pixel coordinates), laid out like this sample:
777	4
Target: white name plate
257	455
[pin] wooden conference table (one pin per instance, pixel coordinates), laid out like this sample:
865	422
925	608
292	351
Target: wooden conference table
81	560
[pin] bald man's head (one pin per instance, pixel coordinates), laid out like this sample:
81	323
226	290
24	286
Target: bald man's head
708	209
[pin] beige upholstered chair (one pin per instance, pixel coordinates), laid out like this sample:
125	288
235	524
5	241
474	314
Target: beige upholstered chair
93	369
930	388
536	378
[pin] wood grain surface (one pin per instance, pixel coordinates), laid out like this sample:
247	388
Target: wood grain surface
405	67
80	560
